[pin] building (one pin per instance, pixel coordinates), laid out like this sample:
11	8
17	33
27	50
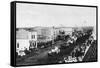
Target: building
67	30
25	39
44	34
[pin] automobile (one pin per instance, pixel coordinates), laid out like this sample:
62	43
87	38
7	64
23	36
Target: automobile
55	50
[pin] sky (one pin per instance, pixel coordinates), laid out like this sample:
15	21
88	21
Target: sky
32	15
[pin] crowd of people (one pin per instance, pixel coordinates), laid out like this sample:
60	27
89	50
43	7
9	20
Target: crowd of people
75	48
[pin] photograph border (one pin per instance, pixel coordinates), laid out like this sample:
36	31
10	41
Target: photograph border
13	30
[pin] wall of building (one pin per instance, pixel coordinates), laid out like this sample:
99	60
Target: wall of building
24	38
22	34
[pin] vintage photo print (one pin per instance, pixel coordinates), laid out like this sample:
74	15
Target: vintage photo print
55	34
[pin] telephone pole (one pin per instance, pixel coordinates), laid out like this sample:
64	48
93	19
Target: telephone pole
53	36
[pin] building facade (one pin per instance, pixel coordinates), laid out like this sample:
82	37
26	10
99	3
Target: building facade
25	39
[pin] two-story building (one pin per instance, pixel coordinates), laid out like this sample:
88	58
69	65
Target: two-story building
25	39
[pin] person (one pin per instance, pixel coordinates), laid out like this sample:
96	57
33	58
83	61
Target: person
78	53
26	51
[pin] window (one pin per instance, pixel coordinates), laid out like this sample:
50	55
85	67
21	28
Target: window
33	36
17	45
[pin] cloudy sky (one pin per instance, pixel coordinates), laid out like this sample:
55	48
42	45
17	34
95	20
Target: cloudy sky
31	15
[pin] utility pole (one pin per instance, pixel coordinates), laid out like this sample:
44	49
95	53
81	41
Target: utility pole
53	36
